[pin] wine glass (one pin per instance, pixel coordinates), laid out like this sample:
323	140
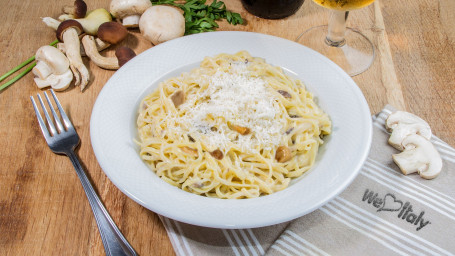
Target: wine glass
347	47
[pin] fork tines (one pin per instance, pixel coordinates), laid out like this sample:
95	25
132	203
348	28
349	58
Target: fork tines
50	122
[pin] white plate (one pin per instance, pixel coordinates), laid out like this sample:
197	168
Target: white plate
113	129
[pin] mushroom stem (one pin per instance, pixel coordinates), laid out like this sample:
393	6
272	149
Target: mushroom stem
100	46
73	52
131	21
92	52
42	70
51	22
64	17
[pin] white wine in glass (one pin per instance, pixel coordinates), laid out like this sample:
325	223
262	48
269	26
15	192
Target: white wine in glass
347	47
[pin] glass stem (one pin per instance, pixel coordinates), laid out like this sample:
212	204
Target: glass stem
337	28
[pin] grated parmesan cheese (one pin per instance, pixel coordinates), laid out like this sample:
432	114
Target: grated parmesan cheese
233	96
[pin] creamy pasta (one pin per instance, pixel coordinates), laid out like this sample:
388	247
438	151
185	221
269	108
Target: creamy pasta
235	127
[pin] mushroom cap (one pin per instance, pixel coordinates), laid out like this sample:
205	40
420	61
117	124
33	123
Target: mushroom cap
420	156
78	10
67	24
161	23
124	8
124	54
402	124
53	58
112	32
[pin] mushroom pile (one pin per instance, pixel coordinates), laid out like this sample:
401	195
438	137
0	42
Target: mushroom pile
96	30
83	33
411	135
157	24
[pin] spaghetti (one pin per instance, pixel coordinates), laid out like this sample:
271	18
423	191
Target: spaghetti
235	127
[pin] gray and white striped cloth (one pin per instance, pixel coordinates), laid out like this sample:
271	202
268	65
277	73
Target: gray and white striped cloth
381	213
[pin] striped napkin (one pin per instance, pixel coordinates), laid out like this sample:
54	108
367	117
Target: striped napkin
383	212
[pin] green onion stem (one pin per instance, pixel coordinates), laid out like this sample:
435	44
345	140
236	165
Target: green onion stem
12	81
19	67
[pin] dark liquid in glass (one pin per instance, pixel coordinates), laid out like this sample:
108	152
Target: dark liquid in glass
272	9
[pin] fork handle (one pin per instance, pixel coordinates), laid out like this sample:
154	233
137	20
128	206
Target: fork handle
113	240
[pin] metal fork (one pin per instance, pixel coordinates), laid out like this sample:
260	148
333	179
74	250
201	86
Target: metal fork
64	140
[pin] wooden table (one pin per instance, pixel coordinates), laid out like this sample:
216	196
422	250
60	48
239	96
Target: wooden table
43	209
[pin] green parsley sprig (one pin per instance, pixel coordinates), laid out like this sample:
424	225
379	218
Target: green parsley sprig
200	17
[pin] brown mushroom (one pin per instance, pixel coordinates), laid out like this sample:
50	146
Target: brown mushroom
77	10
217	154
112	33
68	32
283	154
124	54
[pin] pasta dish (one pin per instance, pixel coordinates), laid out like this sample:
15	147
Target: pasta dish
234	127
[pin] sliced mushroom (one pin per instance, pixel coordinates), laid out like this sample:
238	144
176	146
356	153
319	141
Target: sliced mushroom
129	11
240	129
77	10
178	98
217	154
285	93
402	124
68	32
420	156
283	154
190	151
162	23
52	69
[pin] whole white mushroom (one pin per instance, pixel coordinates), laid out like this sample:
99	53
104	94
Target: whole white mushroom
161	23
52	69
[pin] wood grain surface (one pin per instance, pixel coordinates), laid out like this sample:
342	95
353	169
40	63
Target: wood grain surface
43	208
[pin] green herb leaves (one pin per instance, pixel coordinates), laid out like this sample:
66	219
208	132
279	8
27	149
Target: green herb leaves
200	17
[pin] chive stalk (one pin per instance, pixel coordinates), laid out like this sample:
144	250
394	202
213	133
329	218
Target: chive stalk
20	75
